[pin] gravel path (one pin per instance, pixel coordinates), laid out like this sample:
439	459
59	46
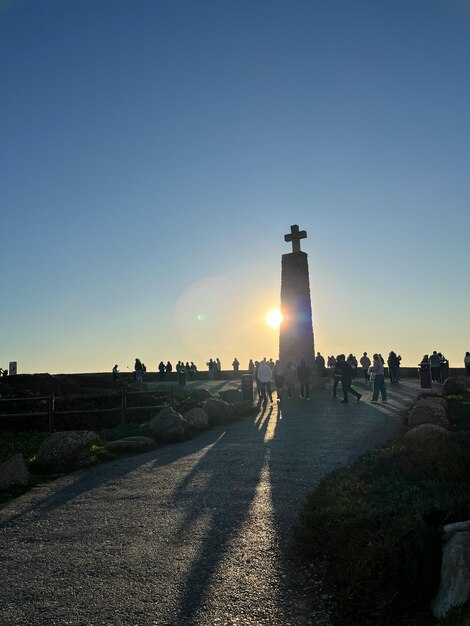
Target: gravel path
196	533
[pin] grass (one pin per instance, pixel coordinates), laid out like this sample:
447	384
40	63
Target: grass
28	443
377	525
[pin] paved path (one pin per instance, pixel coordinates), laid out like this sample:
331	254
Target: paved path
191	534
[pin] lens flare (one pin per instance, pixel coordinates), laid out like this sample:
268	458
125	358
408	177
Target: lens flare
274	318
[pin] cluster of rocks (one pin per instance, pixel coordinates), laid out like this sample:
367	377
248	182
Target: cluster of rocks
73	449
428	418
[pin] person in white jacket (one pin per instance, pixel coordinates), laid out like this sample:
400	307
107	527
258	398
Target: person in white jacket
264	377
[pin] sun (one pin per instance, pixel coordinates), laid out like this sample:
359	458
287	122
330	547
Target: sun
274	318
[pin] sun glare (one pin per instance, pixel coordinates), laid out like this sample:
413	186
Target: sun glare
274	318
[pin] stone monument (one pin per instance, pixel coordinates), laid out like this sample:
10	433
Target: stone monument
296	330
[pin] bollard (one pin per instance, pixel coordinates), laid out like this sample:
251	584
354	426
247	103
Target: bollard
247	388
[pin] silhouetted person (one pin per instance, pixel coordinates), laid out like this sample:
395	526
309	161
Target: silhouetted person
466	362
352	362
264	376
251	367
303	372
138	371
365	364
435	364
346	380
236	367
169	369
377	372
392	362
161	370
443	368
320	362
278	375
336	374
211	366
115	372
291	379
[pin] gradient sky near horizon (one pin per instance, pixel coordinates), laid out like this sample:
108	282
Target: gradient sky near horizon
154	153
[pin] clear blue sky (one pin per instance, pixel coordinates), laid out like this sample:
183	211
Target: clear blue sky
154	153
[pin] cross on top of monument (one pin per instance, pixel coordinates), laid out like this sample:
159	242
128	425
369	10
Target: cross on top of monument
295	236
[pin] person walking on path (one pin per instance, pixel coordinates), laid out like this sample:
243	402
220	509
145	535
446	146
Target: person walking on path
303	372
365	364
377	372
336	374
291	379
466	362
352	362
346	380
279	379
138	371
264	376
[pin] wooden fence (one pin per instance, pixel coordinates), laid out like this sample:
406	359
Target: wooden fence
49	406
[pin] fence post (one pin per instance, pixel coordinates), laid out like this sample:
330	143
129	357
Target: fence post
51	412
123	405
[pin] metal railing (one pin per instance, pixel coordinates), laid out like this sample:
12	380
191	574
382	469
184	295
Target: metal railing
123	408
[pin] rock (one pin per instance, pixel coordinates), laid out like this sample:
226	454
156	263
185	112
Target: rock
454	587
168	425
217	410
428	414
424	431
197	419
433	401
68	448
231	395
130	444
457	386
14	473
450	529
199	395
181	393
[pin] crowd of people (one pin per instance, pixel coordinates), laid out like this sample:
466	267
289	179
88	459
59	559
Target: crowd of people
438	365
295	377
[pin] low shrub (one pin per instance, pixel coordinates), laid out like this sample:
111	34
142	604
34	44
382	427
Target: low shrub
377	525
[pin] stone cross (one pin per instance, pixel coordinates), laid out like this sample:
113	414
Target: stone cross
295	236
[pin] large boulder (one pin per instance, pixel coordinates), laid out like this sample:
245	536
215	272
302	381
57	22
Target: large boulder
433	401
457	386
197	419
428	414
231	395
14	473
181	393
68	448
168	425
425	431
199	395
454	586
130	445
217	411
